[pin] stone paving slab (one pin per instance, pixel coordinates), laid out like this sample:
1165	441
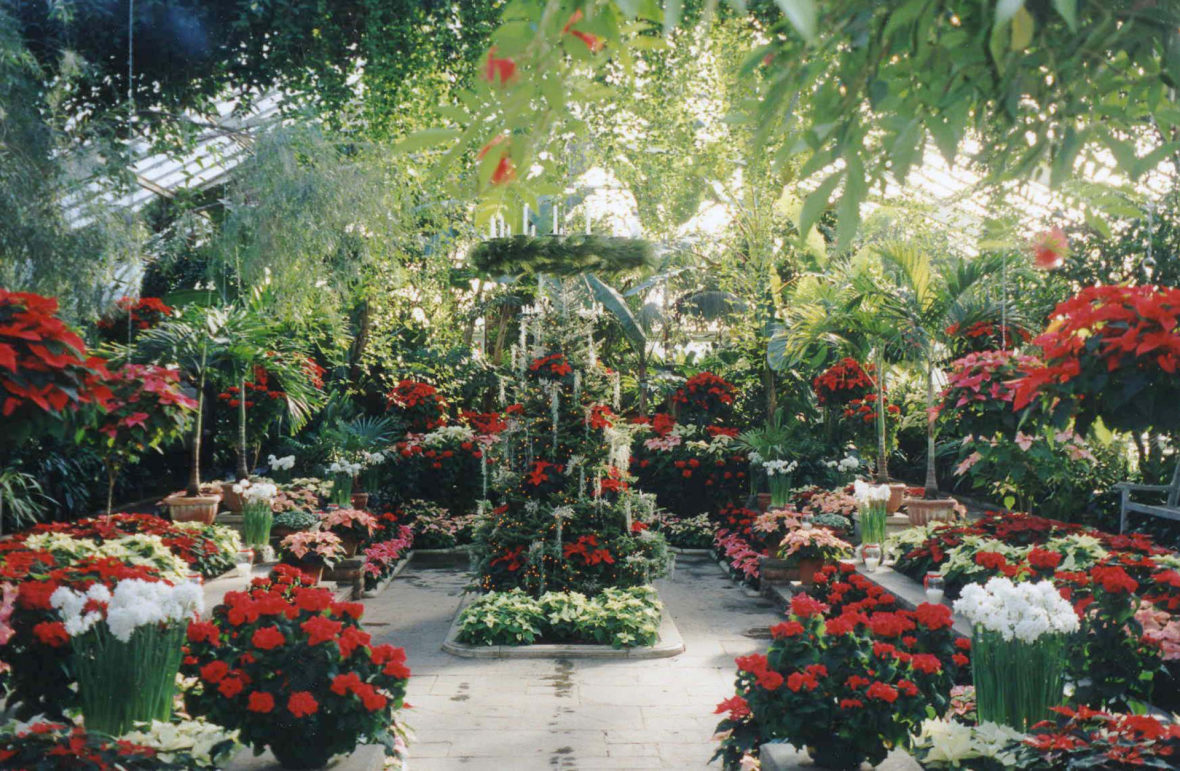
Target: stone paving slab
568	713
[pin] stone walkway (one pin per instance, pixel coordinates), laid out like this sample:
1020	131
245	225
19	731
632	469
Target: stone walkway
568	713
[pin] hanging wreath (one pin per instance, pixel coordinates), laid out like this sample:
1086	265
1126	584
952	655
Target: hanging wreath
560	255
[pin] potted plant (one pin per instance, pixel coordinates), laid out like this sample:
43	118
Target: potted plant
770	445
872	512
257	516
147	410
127	648
303	680
311	551
353	526
809	548
293	521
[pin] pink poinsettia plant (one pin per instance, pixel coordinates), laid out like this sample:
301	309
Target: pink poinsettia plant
349	523
812	543
312	547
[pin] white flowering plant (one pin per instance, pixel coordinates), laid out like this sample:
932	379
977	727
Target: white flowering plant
188	743
950	744
127	647
1019	642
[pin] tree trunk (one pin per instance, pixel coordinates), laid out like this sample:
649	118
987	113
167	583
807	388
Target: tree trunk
360	342
643	379
243	472
931	472
768	384
194	478
882	443
112	474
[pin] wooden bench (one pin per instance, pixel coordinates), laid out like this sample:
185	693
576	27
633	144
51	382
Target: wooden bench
1169	510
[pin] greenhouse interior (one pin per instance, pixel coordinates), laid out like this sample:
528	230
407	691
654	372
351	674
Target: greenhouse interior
589	384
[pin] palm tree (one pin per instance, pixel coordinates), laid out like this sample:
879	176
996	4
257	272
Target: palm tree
918	298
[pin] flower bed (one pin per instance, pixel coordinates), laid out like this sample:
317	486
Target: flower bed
207	549
616	617
690	469
1125	588
45	744
445	466
382	556
847	677
685	533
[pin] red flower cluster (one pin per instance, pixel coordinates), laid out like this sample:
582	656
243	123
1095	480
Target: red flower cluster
488	423
1107	342
1087	738
146	404
704	395
263	651
421	403
600	417
256	391
45	369
589	550
865	410
553	367
985	336
844	381
143	313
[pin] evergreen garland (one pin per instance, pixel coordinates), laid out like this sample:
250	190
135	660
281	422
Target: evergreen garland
560	255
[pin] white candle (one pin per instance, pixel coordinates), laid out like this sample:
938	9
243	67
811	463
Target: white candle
934	595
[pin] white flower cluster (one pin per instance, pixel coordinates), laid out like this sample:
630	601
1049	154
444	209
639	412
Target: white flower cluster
448	434
1025	611
867	494
256	492
133	604
776	468
344	468
845	465
281	464
205	742
946	744
370	459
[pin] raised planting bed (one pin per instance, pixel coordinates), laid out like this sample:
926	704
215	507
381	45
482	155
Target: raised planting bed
668	644
367	757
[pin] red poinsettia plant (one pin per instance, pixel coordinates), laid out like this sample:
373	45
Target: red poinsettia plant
147	409
46	372
979	336
131	316
553	366
704	398
1110	352
844	381
293	670
420	404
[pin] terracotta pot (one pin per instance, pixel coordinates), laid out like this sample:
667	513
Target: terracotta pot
772	570
896	496
923	512
196	508
360	501
807	570
229	499
763	502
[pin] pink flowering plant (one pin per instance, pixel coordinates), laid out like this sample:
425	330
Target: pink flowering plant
737	554
382	557
978	396
312	547
349	523
812	543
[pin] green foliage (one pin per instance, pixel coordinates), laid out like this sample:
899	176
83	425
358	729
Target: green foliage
560	256
616	617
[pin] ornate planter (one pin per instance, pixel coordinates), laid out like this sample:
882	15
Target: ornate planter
196	508
807	570
923	512
763	502
360	501
896	496
231	500
351	544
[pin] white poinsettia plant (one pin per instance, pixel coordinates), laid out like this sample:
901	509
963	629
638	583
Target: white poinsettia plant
949	744
135	603
205	744
1025	611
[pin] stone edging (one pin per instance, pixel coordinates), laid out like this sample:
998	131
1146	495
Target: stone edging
689	552
669	644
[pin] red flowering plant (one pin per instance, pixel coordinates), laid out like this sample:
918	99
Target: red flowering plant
294	670
843	382
690	470
553	366
1110	352
419	404
704	398
47	745
445	466
147	409
1086	738
981	336
46	372
844	687
131	316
